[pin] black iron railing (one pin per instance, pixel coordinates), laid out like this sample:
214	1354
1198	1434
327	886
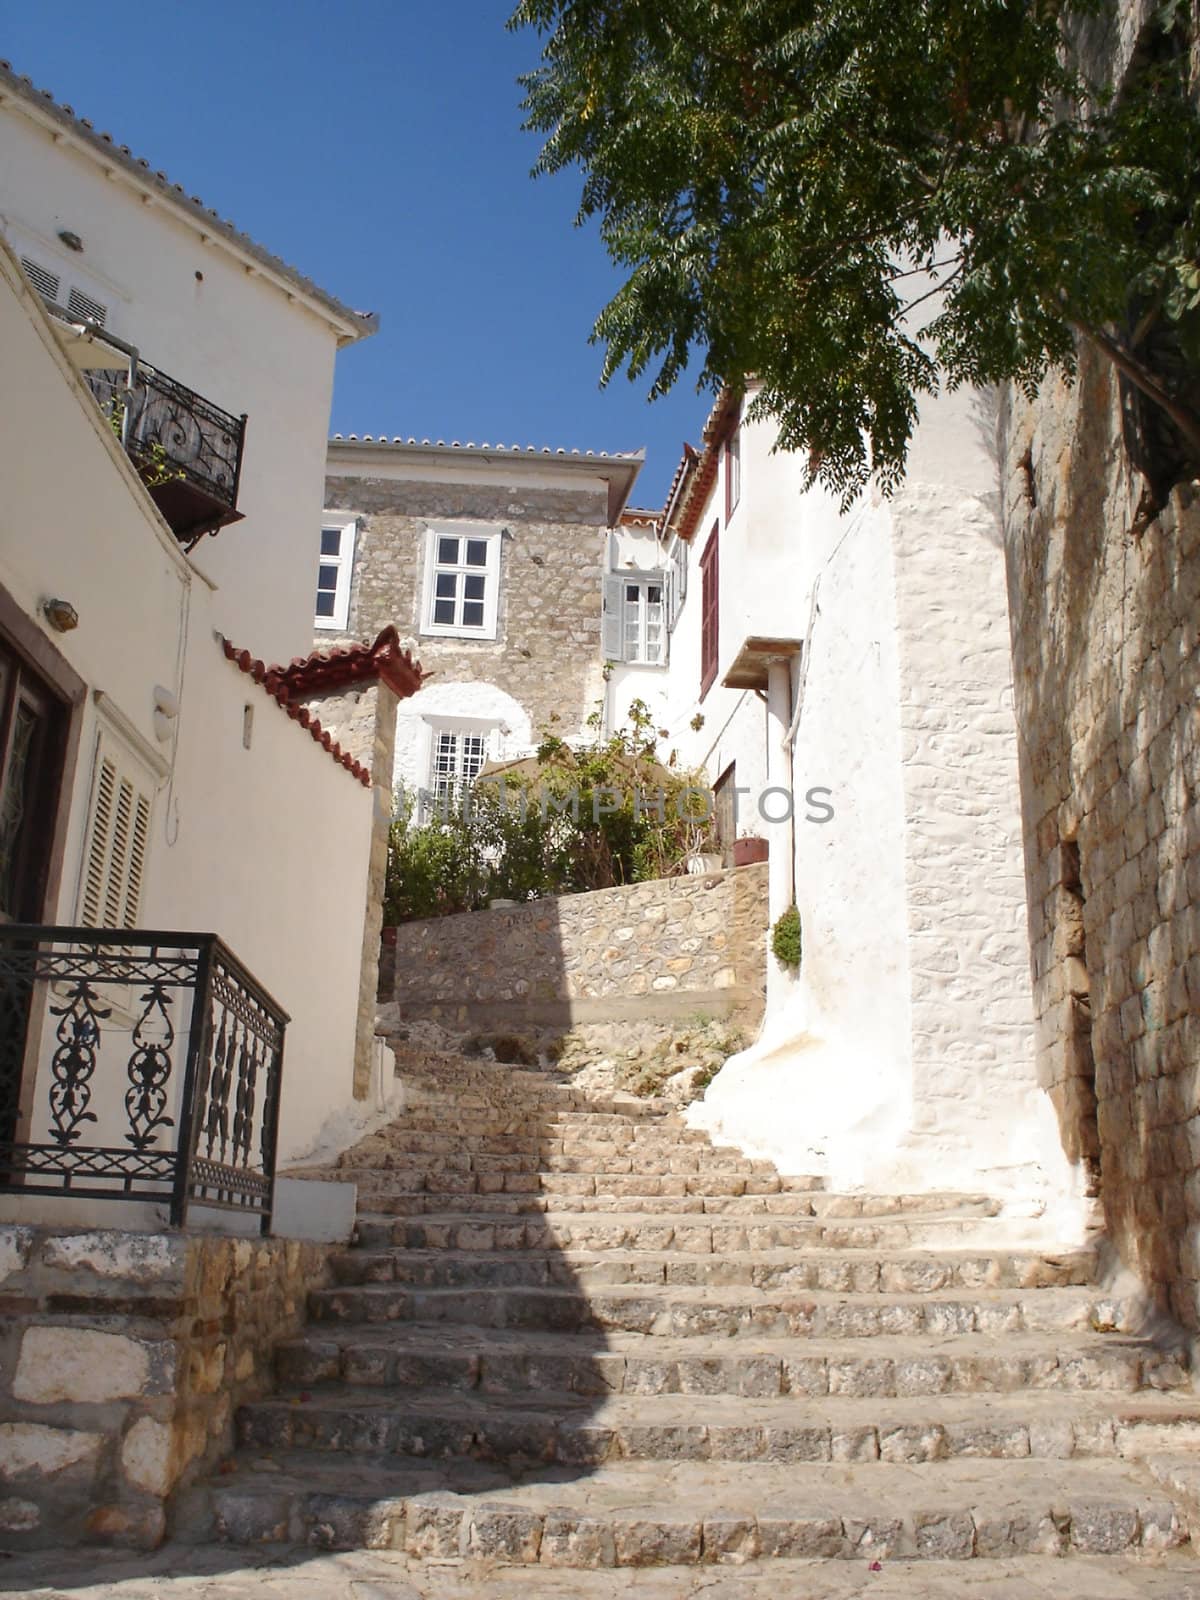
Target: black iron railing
137	1066
187	450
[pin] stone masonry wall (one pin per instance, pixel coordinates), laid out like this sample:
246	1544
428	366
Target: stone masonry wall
123	1358
670	948
546	653
1106	639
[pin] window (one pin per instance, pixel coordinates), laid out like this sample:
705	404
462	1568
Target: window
632	623
114	858
733	474
334	571
710	595
30	758
456	758
462	581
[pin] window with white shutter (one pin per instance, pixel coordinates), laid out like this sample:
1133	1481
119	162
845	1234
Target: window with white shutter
118	839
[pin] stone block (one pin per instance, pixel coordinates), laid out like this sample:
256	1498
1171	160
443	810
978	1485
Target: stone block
657	1542
120	1256
33	1450
15	1245
147	1457
83	1364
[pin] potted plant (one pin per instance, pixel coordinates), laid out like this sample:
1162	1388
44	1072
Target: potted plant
749	849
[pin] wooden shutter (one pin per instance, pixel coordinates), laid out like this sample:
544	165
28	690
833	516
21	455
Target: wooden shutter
612	640
114	862
710	575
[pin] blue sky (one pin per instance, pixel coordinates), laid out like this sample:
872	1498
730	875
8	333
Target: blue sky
377	147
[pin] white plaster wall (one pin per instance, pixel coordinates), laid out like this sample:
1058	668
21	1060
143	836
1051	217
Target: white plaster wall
267	846
232	336
903	1058
469	704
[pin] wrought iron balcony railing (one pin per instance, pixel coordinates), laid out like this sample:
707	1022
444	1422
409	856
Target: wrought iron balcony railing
187	450
137	1066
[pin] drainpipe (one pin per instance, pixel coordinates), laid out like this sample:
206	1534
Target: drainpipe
781	856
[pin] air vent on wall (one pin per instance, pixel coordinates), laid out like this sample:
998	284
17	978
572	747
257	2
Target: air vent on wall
82	305
43	280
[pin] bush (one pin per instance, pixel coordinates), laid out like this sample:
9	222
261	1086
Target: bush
785	938
538	833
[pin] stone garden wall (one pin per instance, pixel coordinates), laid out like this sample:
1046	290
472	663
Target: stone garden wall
668	949
1105	608
123	1357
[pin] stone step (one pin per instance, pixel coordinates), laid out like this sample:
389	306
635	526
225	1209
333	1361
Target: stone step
724	1176
661	1311
573	1430
516	1361
621	1514
897	1273
533	1226
716	1191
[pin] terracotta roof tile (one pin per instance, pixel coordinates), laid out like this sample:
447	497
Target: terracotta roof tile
325	672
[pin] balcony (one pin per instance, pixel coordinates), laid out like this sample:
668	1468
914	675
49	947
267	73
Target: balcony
187	451
137	1066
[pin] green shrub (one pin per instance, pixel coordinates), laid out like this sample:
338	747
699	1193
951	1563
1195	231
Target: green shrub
785	938
537	833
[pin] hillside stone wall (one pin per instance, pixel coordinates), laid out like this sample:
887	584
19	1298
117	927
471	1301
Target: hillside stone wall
1106	637
123	1358
669	949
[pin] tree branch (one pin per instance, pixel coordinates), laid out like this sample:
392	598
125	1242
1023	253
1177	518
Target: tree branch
1185	419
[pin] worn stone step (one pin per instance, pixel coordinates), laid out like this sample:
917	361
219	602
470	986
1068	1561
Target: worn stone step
534	1226
574	1430
516	1361
684	1513
684	1312
378	1261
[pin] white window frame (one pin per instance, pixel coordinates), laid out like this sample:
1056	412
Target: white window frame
677	580
459	728
490	573
343	563
616	617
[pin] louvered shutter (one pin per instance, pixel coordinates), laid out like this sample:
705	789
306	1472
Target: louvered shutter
117	842
54	286
611	632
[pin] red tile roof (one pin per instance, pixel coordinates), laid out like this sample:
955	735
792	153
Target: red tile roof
326	672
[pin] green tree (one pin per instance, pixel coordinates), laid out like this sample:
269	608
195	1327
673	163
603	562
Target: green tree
775	176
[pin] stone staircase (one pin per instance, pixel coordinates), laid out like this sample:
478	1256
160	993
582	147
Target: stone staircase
573	1333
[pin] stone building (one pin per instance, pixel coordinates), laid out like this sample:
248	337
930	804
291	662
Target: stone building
491	558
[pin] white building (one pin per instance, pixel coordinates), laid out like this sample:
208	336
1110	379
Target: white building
153	775
848	674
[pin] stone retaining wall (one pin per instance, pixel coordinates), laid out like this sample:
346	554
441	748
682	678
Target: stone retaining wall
123	1357
1106	639
666	949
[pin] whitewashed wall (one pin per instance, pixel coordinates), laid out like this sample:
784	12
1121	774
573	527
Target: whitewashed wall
194	310
902	1057
266	846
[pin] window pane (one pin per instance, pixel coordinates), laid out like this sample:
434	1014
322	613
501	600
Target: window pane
443	611
473	586
447	552
446	582
324	605
472	614
477	552
327	578
331	541
632	590
654	594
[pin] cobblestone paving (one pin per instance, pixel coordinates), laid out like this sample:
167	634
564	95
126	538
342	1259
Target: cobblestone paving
189	1573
